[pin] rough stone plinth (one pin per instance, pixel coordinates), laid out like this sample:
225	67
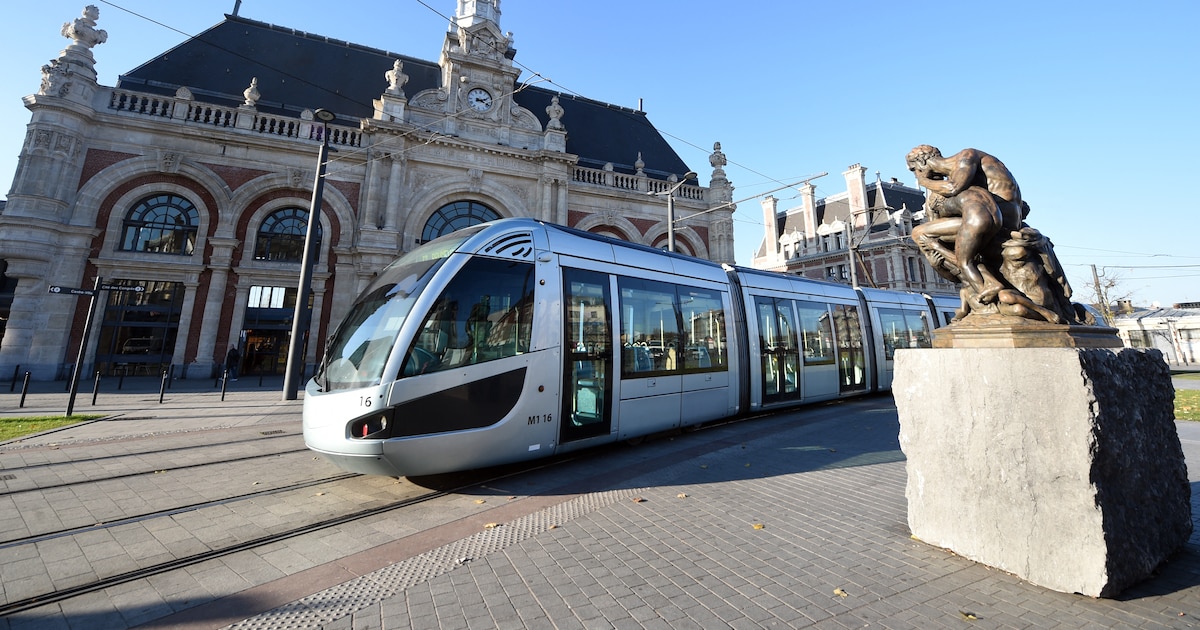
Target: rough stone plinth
1059	465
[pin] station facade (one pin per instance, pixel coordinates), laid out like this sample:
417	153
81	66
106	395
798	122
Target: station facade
187	186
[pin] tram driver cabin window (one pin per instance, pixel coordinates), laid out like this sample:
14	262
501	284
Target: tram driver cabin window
485	313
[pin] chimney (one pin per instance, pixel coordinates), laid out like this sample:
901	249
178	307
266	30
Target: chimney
856	187
771	228
808	200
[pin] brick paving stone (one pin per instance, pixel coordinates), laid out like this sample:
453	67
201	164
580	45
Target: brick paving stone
829	488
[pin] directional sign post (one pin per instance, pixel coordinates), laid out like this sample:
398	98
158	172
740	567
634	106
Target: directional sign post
87	331
121	287
72	291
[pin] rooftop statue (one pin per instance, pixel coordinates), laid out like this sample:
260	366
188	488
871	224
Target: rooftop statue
976	236
83	29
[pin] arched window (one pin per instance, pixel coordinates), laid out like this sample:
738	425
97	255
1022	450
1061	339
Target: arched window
281	236
456	216
164	224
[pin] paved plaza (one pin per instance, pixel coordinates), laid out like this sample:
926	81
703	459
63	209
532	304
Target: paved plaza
791	520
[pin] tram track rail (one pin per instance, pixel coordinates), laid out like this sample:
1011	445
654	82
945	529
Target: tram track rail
136	518
172	565
155	471
63	594
19	445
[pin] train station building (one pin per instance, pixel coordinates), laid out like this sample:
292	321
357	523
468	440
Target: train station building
188	185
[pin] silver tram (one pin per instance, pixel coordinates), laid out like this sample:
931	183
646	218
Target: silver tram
519	339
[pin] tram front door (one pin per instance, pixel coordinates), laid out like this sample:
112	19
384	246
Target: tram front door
587	354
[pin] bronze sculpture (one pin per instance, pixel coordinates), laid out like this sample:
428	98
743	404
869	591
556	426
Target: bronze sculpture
975	235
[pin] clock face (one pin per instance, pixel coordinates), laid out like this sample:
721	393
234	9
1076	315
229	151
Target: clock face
479	100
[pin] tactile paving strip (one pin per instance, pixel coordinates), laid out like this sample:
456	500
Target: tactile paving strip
344	599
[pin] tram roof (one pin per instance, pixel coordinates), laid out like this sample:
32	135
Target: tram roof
298	70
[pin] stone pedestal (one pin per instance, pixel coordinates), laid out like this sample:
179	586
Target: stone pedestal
1059	465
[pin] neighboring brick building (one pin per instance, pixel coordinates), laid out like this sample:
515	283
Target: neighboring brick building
189	184
813	240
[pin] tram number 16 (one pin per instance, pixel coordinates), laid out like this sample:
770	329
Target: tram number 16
538	418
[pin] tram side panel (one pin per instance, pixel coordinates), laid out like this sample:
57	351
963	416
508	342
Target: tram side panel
898	320
667	340
805	338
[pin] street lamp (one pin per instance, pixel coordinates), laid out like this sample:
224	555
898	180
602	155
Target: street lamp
670	194
302	316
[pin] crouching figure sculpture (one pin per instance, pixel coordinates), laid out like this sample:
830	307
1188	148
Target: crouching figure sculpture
975	235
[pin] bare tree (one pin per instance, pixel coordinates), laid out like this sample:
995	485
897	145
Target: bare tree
1106	291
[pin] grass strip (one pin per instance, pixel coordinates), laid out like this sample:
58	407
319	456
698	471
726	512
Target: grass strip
21	426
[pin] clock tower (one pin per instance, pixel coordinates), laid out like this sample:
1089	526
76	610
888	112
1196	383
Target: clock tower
478	76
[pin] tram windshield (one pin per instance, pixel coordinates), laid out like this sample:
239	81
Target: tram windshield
359	349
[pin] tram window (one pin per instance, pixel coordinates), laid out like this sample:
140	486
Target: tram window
902	328
816	333
704	329
485	313
668	328
650	337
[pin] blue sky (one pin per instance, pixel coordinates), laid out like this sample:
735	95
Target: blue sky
1092	105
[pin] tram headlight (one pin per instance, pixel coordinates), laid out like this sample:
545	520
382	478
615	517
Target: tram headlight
376	426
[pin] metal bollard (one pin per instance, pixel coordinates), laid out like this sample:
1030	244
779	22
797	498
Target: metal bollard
162	389
13	385
24	389
121	380
95	388
224	382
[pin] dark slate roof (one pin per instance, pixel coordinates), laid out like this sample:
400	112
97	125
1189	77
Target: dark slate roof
880	195
298	70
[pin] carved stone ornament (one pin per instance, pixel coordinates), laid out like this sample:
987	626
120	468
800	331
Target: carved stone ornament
168	161
396	78
555	112
717	158
251	94
82	31
976	236
55	79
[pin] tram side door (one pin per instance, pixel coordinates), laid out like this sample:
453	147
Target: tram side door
852	362
587	354
780	351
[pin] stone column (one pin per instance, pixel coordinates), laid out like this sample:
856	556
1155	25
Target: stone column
179	356
206	350
395	180
562	211
28	316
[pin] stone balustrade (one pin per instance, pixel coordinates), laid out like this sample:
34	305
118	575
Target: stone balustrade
188	111
637	183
